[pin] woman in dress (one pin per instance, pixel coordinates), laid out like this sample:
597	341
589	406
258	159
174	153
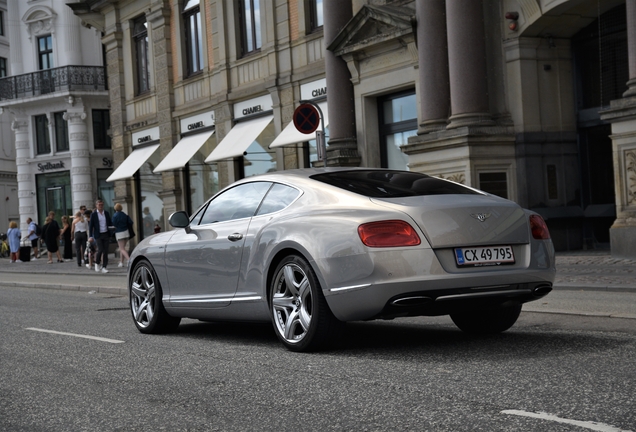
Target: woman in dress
78	232
122	221
66	236
13	235
51	234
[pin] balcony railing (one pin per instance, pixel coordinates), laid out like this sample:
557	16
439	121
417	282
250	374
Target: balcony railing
87	78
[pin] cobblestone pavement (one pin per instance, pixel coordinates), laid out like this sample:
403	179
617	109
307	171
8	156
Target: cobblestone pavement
595	270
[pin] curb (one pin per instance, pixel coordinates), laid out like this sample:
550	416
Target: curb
101	290
571	286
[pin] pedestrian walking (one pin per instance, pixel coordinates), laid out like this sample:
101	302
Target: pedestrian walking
78	232
123	224
34	237
98	230
51	235
14	235
66	238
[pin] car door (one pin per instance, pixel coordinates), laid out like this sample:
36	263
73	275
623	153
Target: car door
203	261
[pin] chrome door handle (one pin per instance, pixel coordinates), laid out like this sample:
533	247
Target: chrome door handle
235	237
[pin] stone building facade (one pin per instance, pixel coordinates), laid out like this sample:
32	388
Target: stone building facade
8	180
527	99
55	101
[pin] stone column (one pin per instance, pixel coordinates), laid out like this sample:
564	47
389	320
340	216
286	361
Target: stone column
161	39
73	47
14	24
26	181
343	149
622	115
434	92
80	156
467	63
630	6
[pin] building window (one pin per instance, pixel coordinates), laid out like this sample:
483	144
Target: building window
495	183
101	125
315	15
42	139
1	23
250	25
61	132
45	52
193	37
398	122
3	67
140	40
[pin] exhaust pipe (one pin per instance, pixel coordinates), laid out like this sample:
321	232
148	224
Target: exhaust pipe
541	290
411	301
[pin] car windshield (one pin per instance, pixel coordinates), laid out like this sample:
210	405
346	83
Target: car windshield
391	184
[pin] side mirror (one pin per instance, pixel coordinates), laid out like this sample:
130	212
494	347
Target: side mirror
179	219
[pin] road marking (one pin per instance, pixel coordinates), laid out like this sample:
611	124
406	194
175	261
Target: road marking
76	335
601	427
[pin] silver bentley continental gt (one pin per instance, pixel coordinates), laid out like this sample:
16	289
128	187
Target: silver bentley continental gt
311	249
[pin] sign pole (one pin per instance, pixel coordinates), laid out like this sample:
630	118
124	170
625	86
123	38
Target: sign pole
321	145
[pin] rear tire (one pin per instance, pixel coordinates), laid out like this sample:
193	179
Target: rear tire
300	314
145	295
487	321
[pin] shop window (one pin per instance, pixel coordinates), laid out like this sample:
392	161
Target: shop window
140	41
495	183
106	190
42	138
45	52
61	132
314	15
3	67
150	203
250	25
101	126
259	159
193	37
398	122
203	178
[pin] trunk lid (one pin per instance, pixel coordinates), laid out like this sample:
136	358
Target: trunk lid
456	220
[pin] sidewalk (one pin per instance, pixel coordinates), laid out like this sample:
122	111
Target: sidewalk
580	270
65	276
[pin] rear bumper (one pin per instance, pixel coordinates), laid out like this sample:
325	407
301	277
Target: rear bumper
438	296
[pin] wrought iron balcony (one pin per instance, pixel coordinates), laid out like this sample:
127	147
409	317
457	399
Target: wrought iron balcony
87	78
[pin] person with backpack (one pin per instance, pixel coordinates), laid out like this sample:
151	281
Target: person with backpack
34	235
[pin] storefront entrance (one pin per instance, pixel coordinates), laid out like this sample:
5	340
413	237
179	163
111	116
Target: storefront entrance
54	194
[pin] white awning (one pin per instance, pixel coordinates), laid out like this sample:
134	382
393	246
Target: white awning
183	151
132	163
290	134
239	139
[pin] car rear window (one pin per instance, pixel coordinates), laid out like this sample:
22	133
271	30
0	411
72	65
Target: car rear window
391	184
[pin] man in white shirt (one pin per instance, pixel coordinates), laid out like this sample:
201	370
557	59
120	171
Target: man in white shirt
98	231
33	236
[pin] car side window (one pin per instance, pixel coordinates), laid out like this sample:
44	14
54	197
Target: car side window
237	203
278	197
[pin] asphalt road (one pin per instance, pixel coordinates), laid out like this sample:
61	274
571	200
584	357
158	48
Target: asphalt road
551	372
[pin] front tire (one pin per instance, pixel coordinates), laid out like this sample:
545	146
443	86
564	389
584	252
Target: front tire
300	314
487	321
146	306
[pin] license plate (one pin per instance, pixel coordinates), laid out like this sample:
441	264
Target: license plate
481	256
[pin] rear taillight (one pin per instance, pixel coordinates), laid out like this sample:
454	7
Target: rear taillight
389	233
539	228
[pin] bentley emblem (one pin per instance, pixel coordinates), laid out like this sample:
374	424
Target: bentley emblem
480	216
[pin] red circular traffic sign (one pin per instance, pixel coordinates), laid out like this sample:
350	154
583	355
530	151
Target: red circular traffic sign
306	118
